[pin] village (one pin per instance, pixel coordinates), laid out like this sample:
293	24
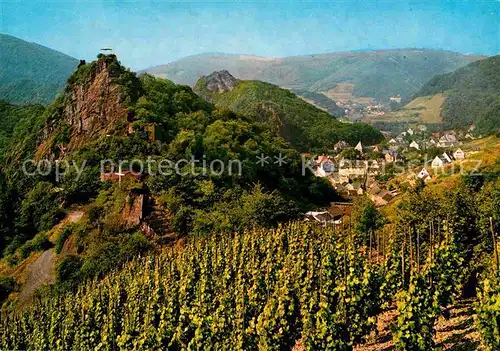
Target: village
383	171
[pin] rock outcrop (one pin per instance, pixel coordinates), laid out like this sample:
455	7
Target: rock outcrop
133	212
92	106
96	103
220	81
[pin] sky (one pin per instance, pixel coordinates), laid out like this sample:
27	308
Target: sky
149	33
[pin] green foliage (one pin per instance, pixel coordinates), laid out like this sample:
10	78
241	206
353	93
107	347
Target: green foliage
321	101
436	246
68	269
185	126
350	154
262	289
31	73
39	243
472	95
417	313
488	313
366	218
10	117
303	125
61	238
40	210
101	260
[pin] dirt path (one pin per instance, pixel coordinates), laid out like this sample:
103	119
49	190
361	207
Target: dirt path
454	334
40	272
74	216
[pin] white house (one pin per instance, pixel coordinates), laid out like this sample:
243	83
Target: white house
447	157
396	98
352	168
324	166
414	145
323	217
447	140
438	162
459	154
424	175
359	147
390	156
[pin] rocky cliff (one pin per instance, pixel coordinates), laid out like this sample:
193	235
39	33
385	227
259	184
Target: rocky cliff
96	103
216	82
93	104
220	81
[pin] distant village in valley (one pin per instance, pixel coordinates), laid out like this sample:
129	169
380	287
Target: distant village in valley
382	171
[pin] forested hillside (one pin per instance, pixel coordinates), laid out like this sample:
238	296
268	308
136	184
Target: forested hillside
12	116
378	74
306	127
143	119
31	73
321	101
472	95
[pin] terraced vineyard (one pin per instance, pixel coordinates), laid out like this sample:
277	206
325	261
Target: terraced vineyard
263	289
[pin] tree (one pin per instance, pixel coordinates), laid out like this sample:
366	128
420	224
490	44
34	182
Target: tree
367	219
350	154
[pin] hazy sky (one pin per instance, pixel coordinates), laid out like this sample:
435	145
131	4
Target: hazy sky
146	33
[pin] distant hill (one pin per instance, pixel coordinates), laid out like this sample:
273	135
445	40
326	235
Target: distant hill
472	95
303	125
31	73
378	74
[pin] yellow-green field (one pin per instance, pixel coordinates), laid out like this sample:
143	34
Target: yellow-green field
424	109
342	92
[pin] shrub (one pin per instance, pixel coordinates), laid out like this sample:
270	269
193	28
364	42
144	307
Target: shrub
104	258
7	285
61	239
136	244
488	314
417	313
39	243
68	269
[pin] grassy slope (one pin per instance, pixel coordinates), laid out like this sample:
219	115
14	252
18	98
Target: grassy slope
378	74
473	95
423	109
304	125
31	73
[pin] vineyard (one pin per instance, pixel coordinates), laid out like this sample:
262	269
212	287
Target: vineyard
262	289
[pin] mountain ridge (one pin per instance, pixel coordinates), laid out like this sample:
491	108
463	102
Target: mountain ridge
30	72
375	73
